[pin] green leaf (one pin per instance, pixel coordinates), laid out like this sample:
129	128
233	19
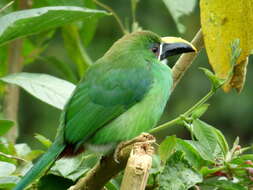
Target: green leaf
33	155
200	111
8	182
210	138
5	125
63	68
73	168
45	141
203	151
49	89
112	185
178	174
225	185
27	22
22	149
178	9
191	153
6	168
88	28
216	82
167	147
75	49
53	182
205	171
3	60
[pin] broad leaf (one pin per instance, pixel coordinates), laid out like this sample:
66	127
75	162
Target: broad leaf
22	149
225	185
112	185
210	138
6	168
8	182
178	9
73	168
27	22
203	151
167	147
54	182
222	23
5	125
178	174
48	89
191	153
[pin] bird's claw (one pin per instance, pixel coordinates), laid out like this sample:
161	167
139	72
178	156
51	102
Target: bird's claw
143	137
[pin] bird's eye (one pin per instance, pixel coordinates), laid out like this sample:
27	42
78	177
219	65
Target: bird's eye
154	50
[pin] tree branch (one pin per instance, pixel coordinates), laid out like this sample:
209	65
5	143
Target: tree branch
107	168
102	172
185	60
138	165
11	99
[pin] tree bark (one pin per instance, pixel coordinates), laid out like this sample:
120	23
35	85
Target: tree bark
185	60
11	99
137	169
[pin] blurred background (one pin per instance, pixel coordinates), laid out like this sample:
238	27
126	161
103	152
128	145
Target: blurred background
229	112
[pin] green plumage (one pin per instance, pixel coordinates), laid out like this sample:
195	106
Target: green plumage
123	94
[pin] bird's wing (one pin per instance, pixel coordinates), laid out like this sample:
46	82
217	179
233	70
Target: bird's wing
105	93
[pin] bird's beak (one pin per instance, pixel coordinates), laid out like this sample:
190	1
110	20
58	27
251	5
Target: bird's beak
173	46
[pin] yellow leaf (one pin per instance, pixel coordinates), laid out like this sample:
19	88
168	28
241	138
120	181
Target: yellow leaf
222	22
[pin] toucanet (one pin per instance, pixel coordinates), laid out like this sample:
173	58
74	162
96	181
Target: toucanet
121	95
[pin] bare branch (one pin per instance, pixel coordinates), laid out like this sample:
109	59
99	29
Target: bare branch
185	61
138	165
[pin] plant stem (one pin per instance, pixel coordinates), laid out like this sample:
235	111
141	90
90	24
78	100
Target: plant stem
186	114
165	125
12	157
11	99
106	7
200	102
6	6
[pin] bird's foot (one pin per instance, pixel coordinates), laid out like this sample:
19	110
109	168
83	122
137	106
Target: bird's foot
142	138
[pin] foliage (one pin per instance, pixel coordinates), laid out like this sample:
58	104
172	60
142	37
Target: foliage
220	20
206	160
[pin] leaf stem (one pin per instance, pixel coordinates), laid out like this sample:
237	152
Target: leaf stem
6	6
180	118
12	157
106	7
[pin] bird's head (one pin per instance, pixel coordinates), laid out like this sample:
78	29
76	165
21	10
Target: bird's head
151	45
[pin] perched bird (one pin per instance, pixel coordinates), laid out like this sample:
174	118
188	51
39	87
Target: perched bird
122	95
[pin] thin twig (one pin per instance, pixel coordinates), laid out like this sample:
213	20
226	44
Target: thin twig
6	6
12	157
106	7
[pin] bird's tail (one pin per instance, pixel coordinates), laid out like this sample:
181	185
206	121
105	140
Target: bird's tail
41	166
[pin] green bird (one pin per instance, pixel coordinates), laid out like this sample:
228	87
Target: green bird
122	95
